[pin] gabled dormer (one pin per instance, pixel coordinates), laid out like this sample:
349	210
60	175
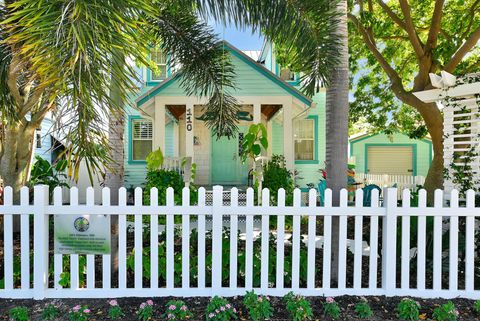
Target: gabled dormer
269	60
161	59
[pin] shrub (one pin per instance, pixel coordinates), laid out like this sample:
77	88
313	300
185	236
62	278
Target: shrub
79	313
258	307
331	308
18	314
363	310
298	307
408	309
50	312
145	312
177	310
220	310
476	306
276	176
445	312
114	311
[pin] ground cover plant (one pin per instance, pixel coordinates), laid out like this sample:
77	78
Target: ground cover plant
50	312
331	308
363	310
219	309
177	310
19	314
114	311
298	307
408	309
258	307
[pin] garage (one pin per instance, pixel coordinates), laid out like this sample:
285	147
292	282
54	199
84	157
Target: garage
393	160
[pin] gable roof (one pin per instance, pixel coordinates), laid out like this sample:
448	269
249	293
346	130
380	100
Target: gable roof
243	57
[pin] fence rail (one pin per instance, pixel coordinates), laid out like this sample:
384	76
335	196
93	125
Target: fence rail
189	249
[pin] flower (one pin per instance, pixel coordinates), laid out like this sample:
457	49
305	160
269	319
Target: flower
234	310
149	302
170	316
228	306
86	311
113	303
268	298
183	308
260	299
76	308
211	315
143	305
172	307
217	311
330	300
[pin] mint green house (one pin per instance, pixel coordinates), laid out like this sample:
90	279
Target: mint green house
395	154
167	118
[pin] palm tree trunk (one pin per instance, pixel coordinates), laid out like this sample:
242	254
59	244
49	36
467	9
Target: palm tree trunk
337	129
114	178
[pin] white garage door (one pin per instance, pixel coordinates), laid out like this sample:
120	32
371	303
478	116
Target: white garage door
393	160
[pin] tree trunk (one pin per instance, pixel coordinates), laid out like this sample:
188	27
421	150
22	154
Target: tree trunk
337	129
114	178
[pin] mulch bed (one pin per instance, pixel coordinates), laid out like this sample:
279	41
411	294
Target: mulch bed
383	308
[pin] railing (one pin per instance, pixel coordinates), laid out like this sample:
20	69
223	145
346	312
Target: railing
401	182
187	249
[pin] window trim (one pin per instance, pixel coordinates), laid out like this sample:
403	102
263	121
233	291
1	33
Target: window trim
131	119
168	73
315	144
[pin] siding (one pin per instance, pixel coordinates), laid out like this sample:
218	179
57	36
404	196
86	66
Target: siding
423	150
45	151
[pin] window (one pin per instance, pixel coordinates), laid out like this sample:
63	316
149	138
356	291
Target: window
304	135
159	57
287	75
142	135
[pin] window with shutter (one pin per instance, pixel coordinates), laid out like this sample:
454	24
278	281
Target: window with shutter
142	138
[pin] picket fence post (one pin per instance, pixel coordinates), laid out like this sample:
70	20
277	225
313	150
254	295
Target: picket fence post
40	241
389	240
217	219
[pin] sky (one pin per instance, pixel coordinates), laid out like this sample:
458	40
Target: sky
242	39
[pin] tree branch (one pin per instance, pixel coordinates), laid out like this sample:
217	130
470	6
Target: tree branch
435	26
410	28
13	72
471	15
463	50
392	14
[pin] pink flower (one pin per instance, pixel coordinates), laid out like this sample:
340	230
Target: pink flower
268	298
172	307
149	302
86	311
183	308
228	306
211	315
222	309
217	311
260	299
330	300
113	303
143	305
170	316
234	310
76	308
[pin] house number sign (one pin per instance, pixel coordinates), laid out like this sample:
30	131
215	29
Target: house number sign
189	119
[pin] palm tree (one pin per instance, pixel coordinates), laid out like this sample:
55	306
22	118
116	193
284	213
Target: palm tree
60	57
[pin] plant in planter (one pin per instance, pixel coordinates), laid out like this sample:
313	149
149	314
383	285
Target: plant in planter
363	310
220	310
50	312
445	312
331	308
145	312
114	311
298	307
177	310
408	309
79	313
18	314
258	307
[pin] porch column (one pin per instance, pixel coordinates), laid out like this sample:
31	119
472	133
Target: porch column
288	148
270	137
257	113
176	139
159	125
189	120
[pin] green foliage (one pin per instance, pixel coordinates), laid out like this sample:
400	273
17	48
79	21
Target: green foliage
461	172
476	306
258	307
276	176
445	312
408	309
145	311
177	310
114	311
18	314
79	313
65	275
43	173
298	307
363	310
331	308
50	312
218	309
254	141
154	160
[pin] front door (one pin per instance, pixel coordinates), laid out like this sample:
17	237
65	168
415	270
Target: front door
226	165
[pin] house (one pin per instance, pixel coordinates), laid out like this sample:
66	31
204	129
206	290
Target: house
395	154
166	117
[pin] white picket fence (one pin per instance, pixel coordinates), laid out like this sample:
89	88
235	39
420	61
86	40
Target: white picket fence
445	270
401	182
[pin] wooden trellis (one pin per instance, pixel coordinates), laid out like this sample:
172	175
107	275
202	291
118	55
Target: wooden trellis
460	99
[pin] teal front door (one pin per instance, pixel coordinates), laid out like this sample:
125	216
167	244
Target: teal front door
226	165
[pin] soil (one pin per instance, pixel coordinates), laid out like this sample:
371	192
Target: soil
383	308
